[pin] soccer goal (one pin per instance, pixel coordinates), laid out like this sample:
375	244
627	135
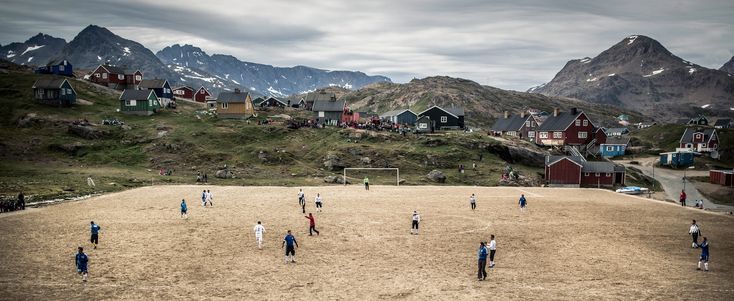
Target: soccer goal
377	176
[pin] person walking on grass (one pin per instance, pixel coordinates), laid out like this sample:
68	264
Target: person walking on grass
95	234
704	258
311	225
492	250
682	198
209	197
21	201
366	183
482	254
82	261
416	221
302	200
184	209
290	244
473	202
259	231
694	231
523	203
203	198
318	202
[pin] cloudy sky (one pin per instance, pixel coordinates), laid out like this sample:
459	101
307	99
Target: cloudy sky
513	44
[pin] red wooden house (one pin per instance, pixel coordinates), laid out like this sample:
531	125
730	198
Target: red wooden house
115	77
201	94
522	126
183	92
576	172
702	141
566	128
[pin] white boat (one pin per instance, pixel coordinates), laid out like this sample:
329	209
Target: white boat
632	190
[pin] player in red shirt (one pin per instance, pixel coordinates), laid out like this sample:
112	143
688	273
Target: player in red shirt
311	224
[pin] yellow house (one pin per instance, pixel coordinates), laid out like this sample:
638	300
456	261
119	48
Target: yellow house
235	105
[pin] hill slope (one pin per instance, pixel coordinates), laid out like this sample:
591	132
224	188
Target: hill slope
729	66
640	74
483	104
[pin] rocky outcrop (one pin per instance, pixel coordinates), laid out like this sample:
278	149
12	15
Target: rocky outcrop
514	154
332	162
336	180
87	132
436	176
224	174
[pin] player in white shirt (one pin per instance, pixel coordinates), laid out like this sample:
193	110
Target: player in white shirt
259	231
492	250
473	202
209	197
302	200
416	221
318	202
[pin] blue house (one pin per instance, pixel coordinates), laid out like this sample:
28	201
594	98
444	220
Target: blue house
614	146
161	88
60	67
677	159
403	116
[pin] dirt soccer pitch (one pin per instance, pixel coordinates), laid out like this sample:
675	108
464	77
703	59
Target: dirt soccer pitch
570	244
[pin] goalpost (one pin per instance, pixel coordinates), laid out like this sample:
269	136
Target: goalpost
397	172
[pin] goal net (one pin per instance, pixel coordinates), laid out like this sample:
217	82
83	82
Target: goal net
376	176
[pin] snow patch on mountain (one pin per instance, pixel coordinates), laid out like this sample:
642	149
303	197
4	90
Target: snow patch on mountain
31	48
654	72
631	40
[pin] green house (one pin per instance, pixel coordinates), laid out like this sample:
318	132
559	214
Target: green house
54	92
139	102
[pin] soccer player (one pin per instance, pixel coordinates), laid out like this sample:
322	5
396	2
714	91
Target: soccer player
482	254
473	202
492	250
95	234
704	255
259	231
290	244
209	198
311	225
184	209
416	221
302	200
366	183
694	231
318	202
81	264
203	198
523	203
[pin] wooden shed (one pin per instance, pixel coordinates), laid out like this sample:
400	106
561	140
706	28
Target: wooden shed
722	177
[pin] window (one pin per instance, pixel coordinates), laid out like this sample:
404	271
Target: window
61	68
63	91
557	135
69	91
610	148
608	175
96	75
226	106
531	134
703	145
527	123
543	135
578	122
586	174
423	125
138	77
444	119
583	135
104	75
596	174
586	123
130	103
321	113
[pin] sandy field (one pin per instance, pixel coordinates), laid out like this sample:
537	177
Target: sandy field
581	244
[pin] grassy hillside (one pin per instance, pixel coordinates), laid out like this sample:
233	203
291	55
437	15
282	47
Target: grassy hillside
41	157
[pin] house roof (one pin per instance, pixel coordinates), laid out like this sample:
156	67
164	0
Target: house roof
232	97
550	160
49	83
688	135
314	96
512	123
183	87
624	140
722	122
395	113
456	112
560	122
328	105
58	62
616	130
152	83
278	100
114	69
129	94
600	167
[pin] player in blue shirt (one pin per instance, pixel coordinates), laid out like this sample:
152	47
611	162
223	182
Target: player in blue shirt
523	202
95	234
81	263
704	255
482	254
184	209
290	244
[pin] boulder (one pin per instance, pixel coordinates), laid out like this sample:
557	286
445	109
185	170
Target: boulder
335	180
436	176
87	132
365	160
263	156
223	174
332	162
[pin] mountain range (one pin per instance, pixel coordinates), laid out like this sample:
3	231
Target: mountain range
640	74
181	65
728	66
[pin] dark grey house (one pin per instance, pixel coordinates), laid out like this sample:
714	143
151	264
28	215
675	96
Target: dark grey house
328	111
402	116
445	118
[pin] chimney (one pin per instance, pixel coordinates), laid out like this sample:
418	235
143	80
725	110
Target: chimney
507	114
237	90
522	114
555	112
574	111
